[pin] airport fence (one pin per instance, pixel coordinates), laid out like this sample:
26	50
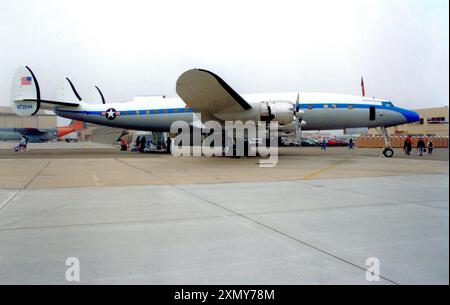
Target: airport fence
397	141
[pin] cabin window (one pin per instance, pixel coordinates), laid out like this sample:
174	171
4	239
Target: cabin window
350	107
334	106
165	110
310	107
186	109
372	113
325	106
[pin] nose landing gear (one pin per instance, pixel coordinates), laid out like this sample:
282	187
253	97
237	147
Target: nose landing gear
387	152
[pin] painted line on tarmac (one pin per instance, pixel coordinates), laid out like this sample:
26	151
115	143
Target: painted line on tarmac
323	170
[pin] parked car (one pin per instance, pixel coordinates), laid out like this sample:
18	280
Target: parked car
293	142
337	142
309	142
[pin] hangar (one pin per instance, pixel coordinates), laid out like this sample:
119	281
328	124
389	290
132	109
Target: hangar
8	119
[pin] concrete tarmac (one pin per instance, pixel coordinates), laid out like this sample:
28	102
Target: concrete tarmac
315	218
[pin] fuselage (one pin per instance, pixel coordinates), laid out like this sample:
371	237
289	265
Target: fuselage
322	111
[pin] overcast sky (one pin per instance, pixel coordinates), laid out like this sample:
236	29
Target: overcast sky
134	47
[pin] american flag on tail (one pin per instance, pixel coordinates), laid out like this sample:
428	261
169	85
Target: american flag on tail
25	80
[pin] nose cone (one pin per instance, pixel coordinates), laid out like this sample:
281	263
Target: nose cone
411	116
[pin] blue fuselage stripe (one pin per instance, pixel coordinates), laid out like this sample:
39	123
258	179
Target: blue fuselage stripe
189	110
131	112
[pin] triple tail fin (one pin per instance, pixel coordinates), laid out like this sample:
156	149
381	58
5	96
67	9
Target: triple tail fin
25	98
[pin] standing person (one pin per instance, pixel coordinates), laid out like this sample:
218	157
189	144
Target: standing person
430	147
350	143
168	143
123	145
407	146
324	144
137	143
142	145
420	147
23	144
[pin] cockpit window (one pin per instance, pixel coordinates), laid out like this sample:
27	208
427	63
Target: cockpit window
389	104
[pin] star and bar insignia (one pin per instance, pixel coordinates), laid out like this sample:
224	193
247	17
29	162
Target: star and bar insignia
111	113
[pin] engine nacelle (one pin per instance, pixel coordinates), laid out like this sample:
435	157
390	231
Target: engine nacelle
280	111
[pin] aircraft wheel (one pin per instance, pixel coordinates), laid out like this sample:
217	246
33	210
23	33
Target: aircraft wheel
388	153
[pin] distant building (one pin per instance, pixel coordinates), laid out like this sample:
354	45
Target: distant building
9	119
433	123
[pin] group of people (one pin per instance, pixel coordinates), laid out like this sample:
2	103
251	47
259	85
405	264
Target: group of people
422	147
141	143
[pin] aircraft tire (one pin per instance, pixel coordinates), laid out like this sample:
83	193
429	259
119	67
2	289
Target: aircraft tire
388	153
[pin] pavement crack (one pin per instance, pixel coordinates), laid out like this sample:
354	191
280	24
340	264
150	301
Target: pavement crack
263	224
25	187
335	256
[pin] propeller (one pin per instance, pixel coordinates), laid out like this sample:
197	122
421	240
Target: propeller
297	119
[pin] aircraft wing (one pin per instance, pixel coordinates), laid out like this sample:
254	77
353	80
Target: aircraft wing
30	131
208	94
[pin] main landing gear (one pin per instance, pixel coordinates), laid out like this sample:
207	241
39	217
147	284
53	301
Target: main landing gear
387	152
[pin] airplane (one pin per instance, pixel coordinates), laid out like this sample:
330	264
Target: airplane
202	91
36	135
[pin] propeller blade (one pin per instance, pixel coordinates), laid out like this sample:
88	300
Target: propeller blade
298	131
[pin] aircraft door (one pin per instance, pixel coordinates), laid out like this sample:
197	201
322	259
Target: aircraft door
372	113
